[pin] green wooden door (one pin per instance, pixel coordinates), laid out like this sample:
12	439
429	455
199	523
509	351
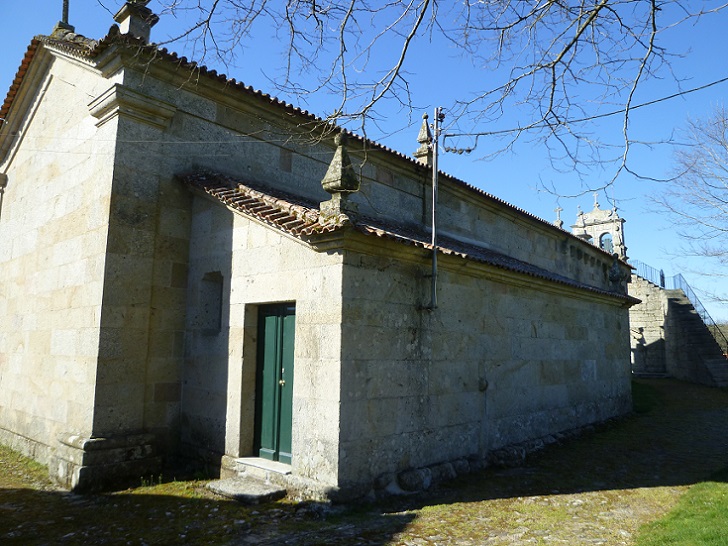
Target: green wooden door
274	400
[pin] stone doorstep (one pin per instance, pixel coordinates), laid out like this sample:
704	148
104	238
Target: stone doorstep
262	469
247	490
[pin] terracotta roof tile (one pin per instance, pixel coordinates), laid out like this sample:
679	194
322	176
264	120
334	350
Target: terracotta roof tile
15	85
286	212
283	211
468	251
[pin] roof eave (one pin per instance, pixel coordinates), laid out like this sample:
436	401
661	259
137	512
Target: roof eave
18	80
22	95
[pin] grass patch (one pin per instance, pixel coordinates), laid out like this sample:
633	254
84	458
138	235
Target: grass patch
644	397
699	519
17	470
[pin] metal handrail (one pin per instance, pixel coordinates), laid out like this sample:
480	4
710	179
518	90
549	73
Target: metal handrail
649	273
678	282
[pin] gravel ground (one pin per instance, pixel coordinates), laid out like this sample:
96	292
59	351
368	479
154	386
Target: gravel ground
597	489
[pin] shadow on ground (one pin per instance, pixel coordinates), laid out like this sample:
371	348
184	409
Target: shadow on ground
678	436
30	517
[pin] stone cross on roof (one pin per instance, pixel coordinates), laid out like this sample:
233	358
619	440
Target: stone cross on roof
63	23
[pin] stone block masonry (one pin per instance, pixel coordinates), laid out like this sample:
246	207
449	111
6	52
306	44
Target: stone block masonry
178	207
669	338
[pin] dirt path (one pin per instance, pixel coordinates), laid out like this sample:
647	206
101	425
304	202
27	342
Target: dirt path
594	490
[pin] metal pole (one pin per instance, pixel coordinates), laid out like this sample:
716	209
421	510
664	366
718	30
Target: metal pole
439	116
64	18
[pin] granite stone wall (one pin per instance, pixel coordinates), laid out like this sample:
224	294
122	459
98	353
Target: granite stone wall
647	327
500	361
259	265
53	239
110	266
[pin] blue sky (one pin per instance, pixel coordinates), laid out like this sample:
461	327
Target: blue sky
437	76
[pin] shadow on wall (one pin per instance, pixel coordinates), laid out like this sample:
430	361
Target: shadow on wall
676	437
647	358
207	340
685	349
690	348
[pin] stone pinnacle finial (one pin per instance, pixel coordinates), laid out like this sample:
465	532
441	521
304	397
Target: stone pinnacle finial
136	19
340	176
424	138
340	180
559	223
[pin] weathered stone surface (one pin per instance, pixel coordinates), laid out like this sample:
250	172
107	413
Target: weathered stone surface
248	490
668	337
92	464
103	296
461	466
415	480
442	472
508	456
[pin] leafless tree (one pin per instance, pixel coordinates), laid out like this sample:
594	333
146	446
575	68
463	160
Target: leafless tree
541	69
697	197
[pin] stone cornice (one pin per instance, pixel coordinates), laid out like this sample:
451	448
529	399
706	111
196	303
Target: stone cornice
354	241
119	100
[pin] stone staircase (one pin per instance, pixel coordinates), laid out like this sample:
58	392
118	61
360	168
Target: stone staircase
697	354
719	370
251	480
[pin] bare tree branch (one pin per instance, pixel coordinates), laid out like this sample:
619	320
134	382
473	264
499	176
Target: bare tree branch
543	69
697	200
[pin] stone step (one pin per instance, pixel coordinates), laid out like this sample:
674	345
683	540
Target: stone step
247	490
262	469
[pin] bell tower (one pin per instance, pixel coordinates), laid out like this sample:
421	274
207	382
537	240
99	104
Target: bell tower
602	228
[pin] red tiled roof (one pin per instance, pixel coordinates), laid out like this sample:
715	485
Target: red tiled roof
64	40
15	85
301	218
284	212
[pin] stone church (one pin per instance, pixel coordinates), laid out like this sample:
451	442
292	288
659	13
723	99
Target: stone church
191	267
